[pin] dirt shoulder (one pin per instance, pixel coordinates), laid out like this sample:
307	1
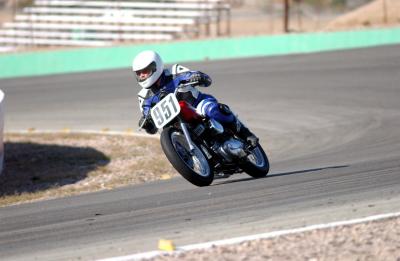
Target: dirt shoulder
378	240
45	166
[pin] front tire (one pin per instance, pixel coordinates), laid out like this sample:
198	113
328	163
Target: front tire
257	164
194	167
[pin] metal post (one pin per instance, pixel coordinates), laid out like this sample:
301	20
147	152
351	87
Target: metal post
385	16
299	15
218	22
208	24
228	21
286	16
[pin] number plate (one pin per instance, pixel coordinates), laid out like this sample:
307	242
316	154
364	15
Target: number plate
165	110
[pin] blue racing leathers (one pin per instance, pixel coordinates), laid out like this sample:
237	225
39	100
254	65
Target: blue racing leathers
205	104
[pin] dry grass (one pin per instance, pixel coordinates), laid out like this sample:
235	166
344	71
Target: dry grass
43	166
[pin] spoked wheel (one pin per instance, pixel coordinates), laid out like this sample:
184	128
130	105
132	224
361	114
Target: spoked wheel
192	165
257	164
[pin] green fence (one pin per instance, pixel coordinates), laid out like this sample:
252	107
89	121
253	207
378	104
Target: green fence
91	59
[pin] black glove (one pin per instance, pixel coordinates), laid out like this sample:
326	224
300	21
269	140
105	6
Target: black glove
147	124
162	94
197	78
200	78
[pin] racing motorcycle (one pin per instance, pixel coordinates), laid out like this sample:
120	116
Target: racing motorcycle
200	149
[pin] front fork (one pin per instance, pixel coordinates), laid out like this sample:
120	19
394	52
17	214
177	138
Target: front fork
187	135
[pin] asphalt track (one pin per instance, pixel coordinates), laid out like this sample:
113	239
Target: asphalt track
330	123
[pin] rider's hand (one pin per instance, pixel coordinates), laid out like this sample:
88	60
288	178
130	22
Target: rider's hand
162	94
147	124
141	121
197	78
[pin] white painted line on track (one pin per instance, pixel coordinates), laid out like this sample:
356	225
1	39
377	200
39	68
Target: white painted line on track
237	240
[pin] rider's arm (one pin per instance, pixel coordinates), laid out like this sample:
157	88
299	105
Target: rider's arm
145	121
148	103
142	95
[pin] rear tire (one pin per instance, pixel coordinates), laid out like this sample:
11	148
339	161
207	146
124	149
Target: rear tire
193	167
257	164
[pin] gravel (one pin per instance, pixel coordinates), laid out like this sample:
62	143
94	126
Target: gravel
378	240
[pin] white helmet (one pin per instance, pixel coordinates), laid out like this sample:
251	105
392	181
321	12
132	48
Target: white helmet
148	60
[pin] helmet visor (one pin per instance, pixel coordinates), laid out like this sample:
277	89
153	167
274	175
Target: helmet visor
144	74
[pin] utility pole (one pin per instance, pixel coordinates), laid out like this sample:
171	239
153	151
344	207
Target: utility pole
385	16
299	14
286	16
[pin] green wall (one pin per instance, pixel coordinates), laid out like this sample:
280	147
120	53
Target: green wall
90	59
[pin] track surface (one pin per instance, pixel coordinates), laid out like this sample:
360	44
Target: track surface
330	123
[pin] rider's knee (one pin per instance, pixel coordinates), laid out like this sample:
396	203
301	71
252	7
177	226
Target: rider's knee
220	113
224	109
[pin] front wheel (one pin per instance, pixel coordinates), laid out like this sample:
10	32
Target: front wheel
257	164
193	166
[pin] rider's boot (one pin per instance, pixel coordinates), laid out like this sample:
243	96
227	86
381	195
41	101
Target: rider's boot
223	114
243	132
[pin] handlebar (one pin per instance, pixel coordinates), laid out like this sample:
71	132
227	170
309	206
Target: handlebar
187	84
180	86
183	85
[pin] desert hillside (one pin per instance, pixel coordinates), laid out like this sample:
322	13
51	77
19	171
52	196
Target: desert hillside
375	14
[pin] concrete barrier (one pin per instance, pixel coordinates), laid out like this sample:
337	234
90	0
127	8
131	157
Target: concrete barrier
92	59
1	131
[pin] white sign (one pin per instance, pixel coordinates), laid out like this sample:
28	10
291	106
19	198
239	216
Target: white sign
165	110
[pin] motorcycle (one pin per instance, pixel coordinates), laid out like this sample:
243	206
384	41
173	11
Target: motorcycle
201	149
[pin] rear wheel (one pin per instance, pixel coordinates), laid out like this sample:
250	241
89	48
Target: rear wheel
192	165
257	164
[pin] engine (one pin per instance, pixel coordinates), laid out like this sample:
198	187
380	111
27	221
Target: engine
232	149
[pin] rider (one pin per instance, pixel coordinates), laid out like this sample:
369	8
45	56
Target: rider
156	82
